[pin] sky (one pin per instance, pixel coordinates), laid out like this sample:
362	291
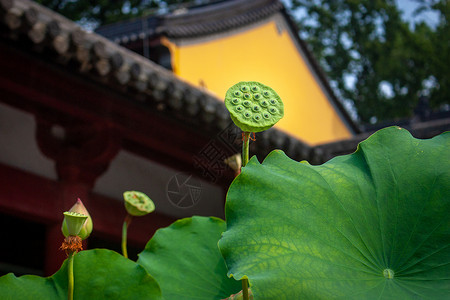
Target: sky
406	6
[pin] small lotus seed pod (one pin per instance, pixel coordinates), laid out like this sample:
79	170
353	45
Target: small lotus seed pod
74	222
137	203
260	110
86	230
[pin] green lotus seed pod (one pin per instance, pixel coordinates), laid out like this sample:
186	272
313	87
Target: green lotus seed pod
260	110
137	203
74	222
86	230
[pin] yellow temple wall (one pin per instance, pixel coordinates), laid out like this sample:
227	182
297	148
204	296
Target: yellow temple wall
266	54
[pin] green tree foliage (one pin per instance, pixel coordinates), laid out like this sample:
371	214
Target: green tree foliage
104	12
375	59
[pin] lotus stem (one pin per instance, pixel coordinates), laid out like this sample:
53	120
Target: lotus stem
244	289
126	223
70	276
245	151
245	148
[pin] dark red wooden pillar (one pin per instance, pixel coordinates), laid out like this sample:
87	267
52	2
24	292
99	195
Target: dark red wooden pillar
82	152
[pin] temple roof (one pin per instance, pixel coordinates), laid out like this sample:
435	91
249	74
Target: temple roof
195	21
49	37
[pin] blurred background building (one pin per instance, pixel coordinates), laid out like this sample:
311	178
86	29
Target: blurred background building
138	105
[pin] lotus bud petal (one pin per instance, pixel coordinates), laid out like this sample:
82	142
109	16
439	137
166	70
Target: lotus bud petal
74	222
239	296
137	203
234	162
86	230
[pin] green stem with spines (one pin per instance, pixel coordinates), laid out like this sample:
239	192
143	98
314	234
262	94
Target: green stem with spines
245	154
70	278
245	148
244	289
126	223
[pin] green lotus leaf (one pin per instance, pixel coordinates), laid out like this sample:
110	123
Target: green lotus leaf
253	106
371	225
186	262
98	274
